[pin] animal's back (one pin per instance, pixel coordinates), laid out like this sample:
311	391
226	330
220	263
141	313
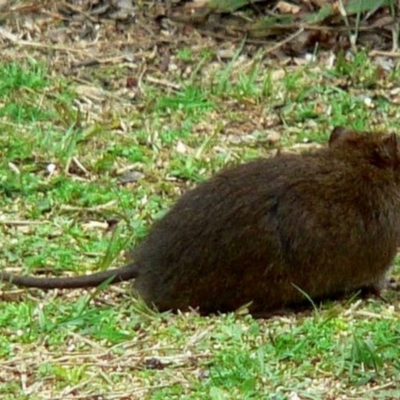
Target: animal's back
200	253
255	232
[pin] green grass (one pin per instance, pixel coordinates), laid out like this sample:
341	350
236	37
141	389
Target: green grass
62	180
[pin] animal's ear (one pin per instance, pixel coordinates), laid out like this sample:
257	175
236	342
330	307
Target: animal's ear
387	153
340	134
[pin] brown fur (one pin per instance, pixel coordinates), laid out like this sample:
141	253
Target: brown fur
327	222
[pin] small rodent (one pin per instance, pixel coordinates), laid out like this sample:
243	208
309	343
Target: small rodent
325	223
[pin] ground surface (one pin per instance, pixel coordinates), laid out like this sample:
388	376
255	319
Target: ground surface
104	122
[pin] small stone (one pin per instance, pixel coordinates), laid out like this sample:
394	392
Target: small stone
273	137
131	176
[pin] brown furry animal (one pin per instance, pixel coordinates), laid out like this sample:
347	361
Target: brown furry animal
326	222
